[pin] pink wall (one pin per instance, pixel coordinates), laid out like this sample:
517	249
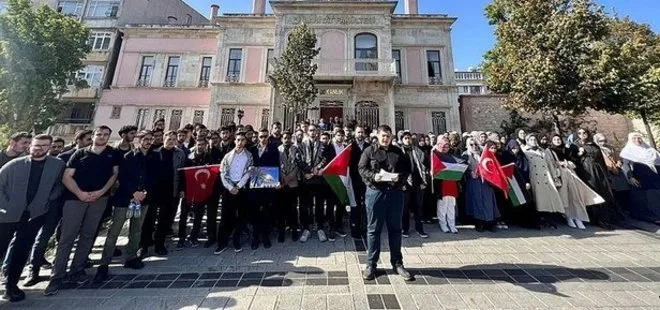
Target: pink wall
160	97
171	45
333	46
414	65
126	69
418	120
253	65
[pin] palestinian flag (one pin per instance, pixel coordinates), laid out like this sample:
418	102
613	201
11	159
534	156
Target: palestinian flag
441	170
336	169
516	193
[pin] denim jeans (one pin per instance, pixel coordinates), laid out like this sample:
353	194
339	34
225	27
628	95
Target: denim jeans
384	207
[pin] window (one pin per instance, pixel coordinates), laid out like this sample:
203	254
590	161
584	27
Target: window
92	74
463	89
396	55
265	116
198	118
70	7
103	8
438	122
269	60
475	90
142	121
399	122
205	73
172	71
175	120
158	114
116	112
100	41
433	64
227	116
366	47
146	71
234	66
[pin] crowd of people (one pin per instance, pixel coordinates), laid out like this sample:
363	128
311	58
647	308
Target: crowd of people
51	189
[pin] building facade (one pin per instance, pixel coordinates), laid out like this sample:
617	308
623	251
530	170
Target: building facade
471	83
374	66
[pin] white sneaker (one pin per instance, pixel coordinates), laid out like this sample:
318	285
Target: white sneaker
579	224
322	236
453	230
305	236
570	223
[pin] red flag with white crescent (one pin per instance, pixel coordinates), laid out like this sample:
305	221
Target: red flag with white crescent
490	170
200	181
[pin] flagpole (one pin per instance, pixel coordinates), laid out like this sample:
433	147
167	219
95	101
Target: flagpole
197	167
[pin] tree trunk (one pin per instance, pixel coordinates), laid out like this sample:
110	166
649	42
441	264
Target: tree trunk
647	126
556	124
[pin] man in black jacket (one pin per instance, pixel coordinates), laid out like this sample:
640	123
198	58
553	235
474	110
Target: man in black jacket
358	218
335	210
138	173
311	191
384	199
264	154
415	185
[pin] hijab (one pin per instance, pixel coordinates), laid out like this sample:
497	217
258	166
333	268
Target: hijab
642	154
521	160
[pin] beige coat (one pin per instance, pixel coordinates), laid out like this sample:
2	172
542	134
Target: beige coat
543	178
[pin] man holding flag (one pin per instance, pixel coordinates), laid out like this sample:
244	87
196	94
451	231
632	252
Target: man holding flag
339	193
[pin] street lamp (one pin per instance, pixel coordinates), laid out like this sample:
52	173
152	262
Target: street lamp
240	113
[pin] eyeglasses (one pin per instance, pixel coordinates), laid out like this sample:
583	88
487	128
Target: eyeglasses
263	137
473	144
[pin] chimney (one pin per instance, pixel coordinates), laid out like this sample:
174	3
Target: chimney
410	7
214	11
259	7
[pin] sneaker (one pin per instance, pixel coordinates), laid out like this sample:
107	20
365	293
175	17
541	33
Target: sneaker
305	236
143	253
294	235
79	277
369	273
321	235
453	230
180	245
400	270
101	274
340	231
422	234
135	263
332	235
219	250
209	243
13	294
45	264
444	228
239	249
32	278
579	224
53	287
405	234
194	243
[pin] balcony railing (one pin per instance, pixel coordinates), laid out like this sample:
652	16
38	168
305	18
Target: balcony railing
232	78
169	83
435	80
463	76
68	129
144	82
203	83
346	68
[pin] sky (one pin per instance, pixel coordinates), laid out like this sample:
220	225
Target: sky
471	34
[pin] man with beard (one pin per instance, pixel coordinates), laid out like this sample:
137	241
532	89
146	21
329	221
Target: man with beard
276	134
414	187
181	136
89	175
358	218
264	154
335	210
157	139
127	135
298	138
138	173
200	156
288	194
311	191
226	141
18	144
28	186
159	124
57	147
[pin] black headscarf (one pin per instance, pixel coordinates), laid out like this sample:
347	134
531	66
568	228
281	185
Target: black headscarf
521	160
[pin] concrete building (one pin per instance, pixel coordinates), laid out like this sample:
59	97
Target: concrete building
471	82
375	66
104	17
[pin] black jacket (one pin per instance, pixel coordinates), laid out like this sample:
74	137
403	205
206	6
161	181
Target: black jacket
311	156
356	153
418	160
270	157
137	172
391	160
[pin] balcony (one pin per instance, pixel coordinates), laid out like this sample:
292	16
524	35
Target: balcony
435	80
356	69
469	76
233	78
69	129
82	93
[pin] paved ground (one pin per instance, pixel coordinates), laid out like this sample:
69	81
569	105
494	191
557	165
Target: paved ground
512	269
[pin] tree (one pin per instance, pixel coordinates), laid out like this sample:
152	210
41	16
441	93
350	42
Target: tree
40	50
631	57
545	55
293	73
516	120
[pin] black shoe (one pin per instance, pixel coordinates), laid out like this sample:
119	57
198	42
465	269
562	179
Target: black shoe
280	237
479	228
267	243
405	234
79	277
143	253
332	235
219	250
89	263
161	251
194	243
340	231
13	294
180	245
53	287
294	235
422	234
255	244
117	253
209	243
33	277
101	274
404	273
369	273
135	263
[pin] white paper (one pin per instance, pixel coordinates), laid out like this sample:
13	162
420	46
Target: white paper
387	176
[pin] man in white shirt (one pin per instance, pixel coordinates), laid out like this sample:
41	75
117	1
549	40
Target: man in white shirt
235	174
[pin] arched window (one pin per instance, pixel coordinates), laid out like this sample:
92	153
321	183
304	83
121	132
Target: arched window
366	47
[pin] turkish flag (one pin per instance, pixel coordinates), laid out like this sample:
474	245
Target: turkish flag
200	181
490	170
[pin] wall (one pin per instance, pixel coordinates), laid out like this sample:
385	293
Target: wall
156	12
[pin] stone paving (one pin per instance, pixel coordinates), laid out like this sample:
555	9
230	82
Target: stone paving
512	269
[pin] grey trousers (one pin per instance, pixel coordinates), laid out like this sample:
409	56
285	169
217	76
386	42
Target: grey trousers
134	234
79	220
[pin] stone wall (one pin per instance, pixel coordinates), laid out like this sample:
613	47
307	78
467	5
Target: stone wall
485	112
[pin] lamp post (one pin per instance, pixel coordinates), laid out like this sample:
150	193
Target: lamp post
240	113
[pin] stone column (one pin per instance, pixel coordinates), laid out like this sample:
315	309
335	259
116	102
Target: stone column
388	118
214	111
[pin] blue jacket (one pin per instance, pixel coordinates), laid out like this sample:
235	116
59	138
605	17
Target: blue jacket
137	172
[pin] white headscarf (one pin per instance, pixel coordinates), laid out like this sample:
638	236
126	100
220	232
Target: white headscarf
642	154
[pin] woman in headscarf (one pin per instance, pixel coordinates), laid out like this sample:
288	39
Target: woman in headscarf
519	135
543	141
543	178
641	164
617	178
504	157
524	215
575	195
480	201
446	191
591	168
